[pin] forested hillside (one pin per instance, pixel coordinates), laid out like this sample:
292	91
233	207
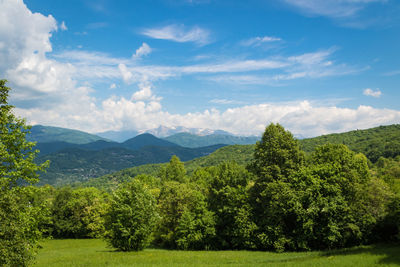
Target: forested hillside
76	164
383	141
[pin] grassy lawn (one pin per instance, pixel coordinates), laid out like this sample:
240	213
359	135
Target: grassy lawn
91	252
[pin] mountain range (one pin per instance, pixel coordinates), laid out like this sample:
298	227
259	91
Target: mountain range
75	157
383	141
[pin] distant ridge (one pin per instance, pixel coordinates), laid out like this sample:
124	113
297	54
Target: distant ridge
46	134
134	143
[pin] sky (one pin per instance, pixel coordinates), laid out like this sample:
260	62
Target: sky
314	66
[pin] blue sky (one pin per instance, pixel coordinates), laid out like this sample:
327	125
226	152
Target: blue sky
314	66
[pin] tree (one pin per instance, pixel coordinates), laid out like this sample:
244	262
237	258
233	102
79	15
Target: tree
174	171
132	217
276	158
18	225
228	198
185	223
277	154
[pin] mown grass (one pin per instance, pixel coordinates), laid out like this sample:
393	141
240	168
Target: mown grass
92	252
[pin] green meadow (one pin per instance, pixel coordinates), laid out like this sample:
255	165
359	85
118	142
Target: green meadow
94	252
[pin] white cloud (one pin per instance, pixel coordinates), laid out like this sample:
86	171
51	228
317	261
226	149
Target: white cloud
331	8
179	33
369	92
257	41
143	50
63	27
23	33
113	86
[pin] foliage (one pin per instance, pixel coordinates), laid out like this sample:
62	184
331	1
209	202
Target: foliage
78	213
276	155
42	198
174	171
228	199
186	223
389	171
327	203
18	224
131	217
111	181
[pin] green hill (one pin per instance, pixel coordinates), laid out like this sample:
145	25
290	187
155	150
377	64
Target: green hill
382	141
46	134
191	140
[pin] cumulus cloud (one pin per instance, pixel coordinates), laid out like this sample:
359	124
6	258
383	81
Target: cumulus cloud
179	33
143	50
369	92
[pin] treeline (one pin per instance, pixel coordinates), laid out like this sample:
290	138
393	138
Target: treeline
283	200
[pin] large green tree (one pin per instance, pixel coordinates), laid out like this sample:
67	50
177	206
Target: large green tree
276	158
228	198
185	223
18	224
132	217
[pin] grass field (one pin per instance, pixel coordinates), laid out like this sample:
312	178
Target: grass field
91	252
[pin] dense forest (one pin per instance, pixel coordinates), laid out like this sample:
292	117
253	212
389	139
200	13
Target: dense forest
268	196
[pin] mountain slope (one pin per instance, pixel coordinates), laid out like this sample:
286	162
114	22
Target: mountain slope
46	134
191	140
75	164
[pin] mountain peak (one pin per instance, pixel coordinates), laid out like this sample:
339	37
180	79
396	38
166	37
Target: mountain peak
146	139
